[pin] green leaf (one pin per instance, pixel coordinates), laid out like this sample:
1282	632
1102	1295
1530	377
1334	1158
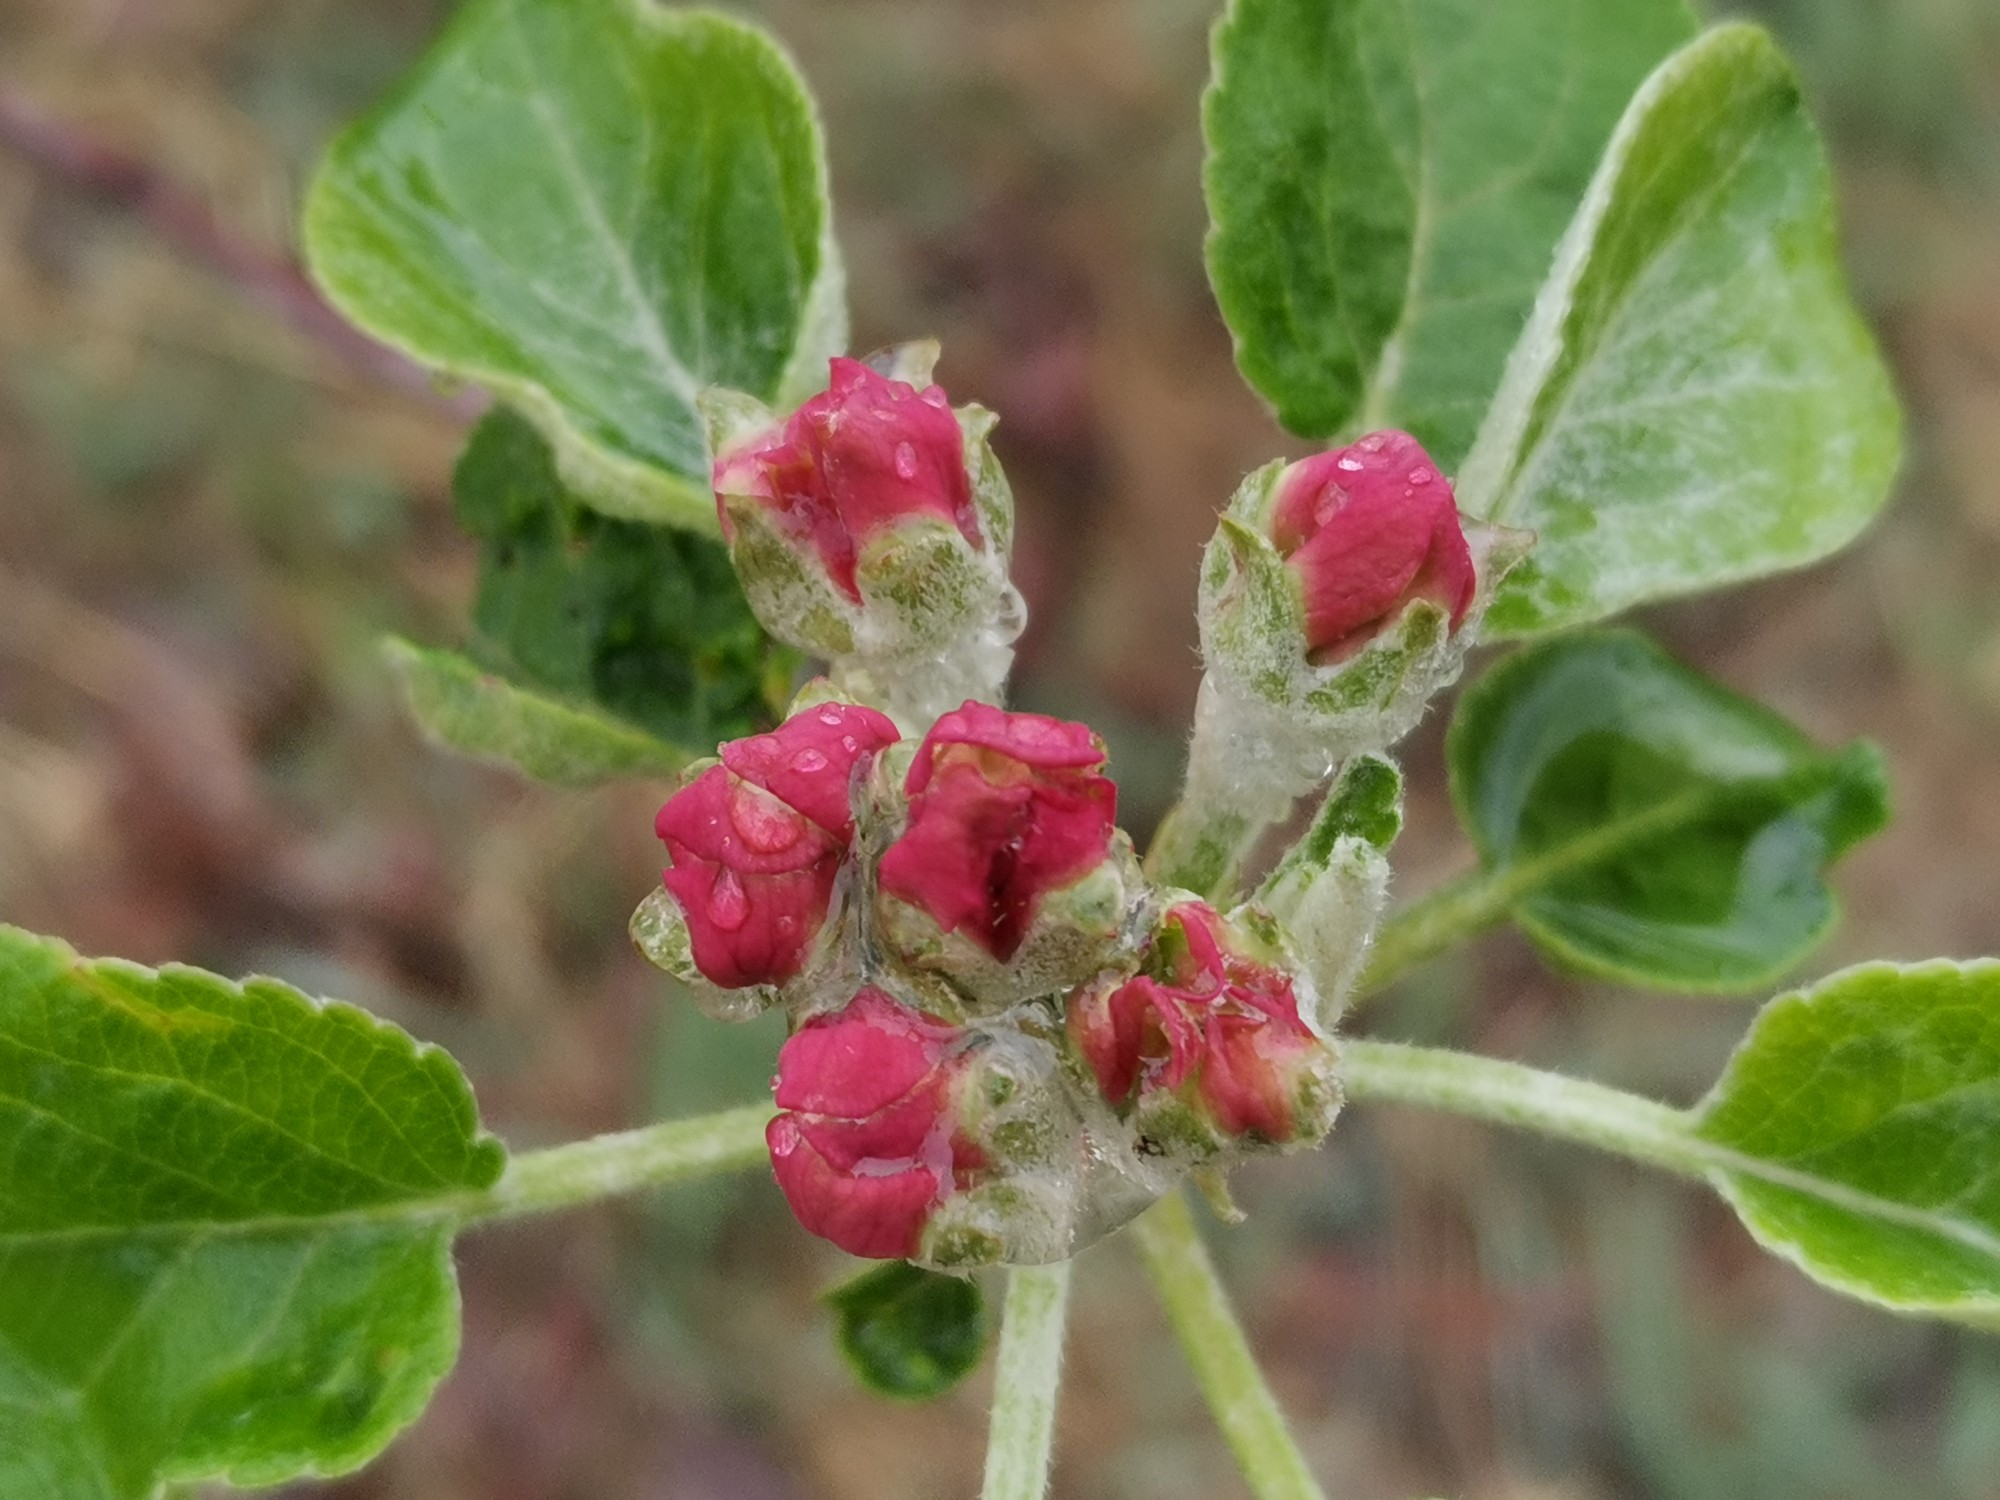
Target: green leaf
1641	823
225	1223
908	1332
601	647
1695	400
1387	180
595	208
1867	1109
479	714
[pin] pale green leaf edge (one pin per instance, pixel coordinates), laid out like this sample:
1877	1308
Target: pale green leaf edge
1495	458
1981	1311
615	484
466	709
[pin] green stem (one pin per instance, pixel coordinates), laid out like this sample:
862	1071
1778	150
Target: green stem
632	1160
1506	1093
1475	902
1024	1384
1213	1341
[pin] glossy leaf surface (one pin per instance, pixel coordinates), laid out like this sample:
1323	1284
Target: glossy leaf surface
225	1223
594	208
1694	401
1387	181
1645	824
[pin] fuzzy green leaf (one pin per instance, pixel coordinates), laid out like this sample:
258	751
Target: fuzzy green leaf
1868	1109
600	647
225	1224
1387	181
1694	401
908	1332
483	715
594	208
1643	824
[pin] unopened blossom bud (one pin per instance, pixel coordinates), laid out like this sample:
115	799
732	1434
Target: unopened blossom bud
871	527
1010	877
1368	529
1210	1046
1339	593
905	1136
757	843
868	1143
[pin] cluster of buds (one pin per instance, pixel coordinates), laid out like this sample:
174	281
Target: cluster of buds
1005	1039
938	923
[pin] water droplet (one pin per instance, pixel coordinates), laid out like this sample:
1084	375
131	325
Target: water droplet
767	825
1422	476
906	461
936	397
728	906
829	714
1350	465
1010	616
808	761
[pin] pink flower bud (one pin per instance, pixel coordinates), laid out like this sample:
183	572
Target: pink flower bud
757	841
1212	1025
1004	809
1367	529
868	1144
855	460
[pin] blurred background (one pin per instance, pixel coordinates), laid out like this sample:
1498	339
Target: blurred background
212	500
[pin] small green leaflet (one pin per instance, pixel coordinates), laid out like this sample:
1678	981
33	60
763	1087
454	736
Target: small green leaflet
1866	1111
908	1332
601	647
595	208
1643	824
481	714
1387	180
225	1227
1694	400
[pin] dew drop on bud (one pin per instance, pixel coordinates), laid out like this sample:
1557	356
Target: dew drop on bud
1350	464
1421	476
906	461
809	761
728	906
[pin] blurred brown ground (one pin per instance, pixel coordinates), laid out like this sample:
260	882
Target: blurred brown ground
206	516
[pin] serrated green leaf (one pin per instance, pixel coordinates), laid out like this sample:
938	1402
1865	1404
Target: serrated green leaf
1694	401
1387	181
1868	1109
225	1223
594	208
1641	823
908	1332
477	713
600	647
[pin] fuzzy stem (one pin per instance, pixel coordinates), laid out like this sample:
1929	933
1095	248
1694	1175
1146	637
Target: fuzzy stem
1216	1349
1025	1380
603	1166
1505	1093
